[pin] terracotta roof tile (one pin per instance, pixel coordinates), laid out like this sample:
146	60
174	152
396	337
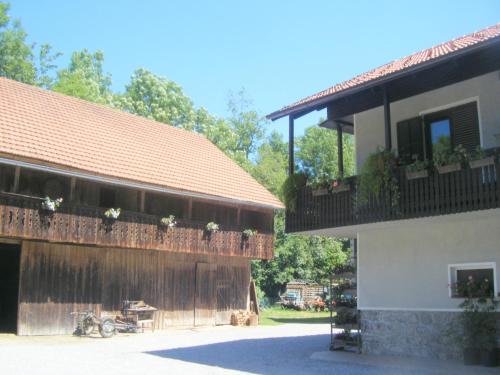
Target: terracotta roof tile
50	128
397	66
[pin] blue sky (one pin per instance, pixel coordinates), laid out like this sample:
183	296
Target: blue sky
279	51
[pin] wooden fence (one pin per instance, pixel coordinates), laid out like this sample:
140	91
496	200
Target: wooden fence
438	194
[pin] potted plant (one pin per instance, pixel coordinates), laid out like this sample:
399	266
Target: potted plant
319	185
417	169
447	161
168	221
478	158
112	213
212	227
51	205
290	189
478	321
339	185
247	233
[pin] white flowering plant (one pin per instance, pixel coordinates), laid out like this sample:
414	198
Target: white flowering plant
168	221
212	227
51	205
247	233
113	213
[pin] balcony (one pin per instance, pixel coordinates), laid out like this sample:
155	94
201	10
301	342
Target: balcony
22	217
438	194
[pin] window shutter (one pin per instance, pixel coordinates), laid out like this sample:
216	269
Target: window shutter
410	140
465	125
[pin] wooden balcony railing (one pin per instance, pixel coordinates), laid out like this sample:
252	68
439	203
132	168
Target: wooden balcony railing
438	194
22	217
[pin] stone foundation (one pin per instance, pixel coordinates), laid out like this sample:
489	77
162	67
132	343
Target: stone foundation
426	334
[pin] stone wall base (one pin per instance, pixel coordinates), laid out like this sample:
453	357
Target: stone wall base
426	334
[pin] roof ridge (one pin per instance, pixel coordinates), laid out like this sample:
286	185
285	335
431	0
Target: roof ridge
350	83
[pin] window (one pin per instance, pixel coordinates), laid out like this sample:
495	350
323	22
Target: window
478	278
443	129
440	135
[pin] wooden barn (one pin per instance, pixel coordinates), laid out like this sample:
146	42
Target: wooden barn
58	259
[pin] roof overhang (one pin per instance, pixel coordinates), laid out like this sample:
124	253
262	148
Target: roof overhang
477	59
128	183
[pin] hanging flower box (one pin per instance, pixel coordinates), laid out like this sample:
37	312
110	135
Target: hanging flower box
417	174
484	162
338	186
319	192
455	167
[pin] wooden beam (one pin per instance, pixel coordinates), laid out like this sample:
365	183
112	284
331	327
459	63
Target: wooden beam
238	216
340	150
190	209
142	200
17	174
72	189
387	120
291	161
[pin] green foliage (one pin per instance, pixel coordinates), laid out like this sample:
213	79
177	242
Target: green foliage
317	155
477	154
84	78
377	177
417	166
18	59
290	188
445	156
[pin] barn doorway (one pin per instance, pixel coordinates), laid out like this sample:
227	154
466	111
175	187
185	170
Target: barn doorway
10	256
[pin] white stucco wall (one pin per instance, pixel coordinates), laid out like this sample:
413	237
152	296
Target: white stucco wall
369	125
405	266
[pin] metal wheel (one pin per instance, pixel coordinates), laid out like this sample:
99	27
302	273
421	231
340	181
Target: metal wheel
107	327
87	326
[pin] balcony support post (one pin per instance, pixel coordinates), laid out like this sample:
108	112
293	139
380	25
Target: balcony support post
340	150
17	174
291	161
387	120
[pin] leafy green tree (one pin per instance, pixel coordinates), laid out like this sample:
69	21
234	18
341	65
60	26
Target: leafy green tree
246	124
18	59
317	154
271	164
158	98
84	78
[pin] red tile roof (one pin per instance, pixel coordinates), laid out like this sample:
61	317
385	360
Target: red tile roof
396	66
52	129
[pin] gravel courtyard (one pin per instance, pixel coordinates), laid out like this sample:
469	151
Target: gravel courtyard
286	349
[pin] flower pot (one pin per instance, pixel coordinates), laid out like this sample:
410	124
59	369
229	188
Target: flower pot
319	192
442	169
482	162
417	174
340	188
471	356
489	358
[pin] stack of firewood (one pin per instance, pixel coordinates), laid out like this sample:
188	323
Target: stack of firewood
244	318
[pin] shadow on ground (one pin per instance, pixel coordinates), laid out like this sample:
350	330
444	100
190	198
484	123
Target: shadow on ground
318	320
278	355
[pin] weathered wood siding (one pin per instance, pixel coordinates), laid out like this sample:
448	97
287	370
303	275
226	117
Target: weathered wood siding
21	217
187	289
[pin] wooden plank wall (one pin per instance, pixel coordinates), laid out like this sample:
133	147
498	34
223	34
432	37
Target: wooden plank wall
57	279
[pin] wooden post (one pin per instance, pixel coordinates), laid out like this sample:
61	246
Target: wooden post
72	189
238	217
291	162
340	150
142	200
190	209
387	121
17	174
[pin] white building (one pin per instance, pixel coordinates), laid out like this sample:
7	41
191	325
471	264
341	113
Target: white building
411	250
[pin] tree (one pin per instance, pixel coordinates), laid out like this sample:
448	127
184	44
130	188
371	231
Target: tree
246	124
271	164
84	78
317	154
158	98
18	59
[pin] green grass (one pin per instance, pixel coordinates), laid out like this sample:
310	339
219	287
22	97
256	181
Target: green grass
275	315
